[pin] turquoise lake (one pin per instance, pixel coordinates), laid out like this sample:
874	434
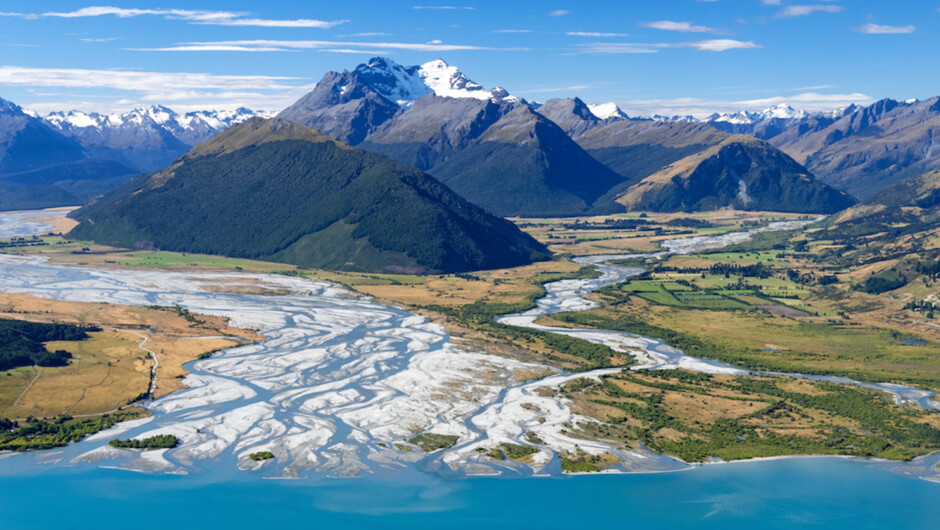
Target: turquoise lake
793	493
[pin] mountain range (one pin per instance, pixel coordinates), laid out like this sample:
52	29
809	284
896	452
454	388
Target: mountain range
508	155
501	152
859	149
67	158
145	138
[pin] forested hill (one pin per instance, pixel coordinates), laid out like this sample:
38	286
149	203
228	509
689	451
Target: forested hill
21	343
275	190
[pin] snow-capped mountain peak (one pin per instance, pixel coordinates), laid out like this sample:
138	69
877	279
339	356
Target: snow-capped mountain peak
736	118
401	84
73	118
606	110
841	111
406	84
447	81
155	116
782	111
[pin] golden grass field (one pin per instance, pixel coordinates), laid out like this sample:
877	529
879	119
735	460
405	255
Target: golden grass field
109	369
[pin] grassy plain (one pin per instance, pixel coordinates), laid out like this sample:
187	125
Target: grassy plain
110	369
695	416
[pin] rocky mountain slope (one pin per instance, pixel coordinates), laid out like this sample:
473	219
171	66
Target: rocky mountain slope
741	172
526	165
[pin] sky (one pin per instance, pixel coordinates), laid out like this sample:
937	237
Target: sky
672	57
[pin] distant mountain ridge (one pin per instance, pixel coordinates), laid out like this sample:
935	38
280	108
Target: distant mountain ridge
860	149
145	138
41	168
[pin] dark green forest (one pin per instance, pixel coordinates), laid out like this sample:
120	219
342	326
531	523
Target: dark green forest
21	343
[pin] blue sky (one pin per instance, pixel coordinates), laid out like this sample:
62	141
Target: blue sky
666	56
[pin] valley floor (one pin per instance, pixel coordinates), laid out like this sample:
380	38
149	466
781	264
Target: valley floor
739	305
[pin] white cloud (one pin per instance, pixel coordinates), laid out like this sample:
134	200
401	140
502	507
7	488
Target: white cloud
122	89
710	45
594	34
185	14
686	27
216	18
135	80
720	45
104	39
801	10
288	45
267	23
559	13
878	29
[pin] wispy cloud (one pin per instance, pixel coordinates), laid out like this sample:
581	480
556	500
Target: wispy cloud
720	45
290	45
103	39
802	10
216	18
268	23
878	29
686	27
193	88
709	45
594	34
559	13
135	80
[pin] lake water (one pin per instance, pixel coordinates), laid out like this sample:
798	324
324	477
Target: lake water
54	490
795	493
